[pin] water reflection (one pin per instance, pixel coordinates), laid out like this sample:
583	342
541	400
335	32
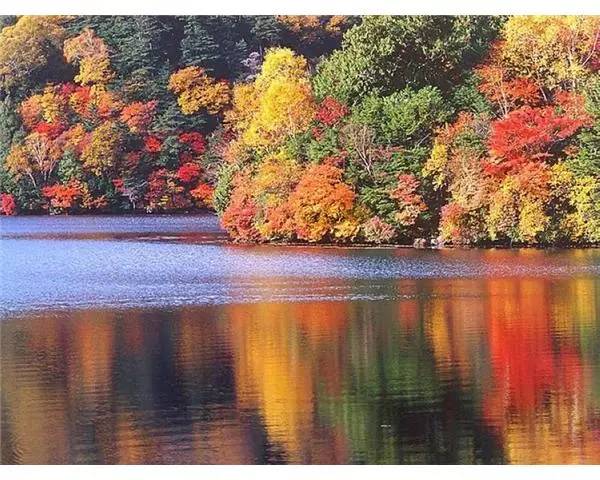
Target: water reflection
453	371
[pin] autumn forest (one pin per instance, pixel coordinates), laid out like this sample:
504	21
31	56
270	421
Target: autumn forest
374	130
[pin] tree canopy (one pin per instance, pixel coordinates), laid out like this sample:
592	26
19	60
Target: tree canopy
463	130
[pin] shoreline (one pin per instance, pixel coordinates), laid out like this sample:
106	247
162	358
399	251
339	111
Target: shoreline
357	245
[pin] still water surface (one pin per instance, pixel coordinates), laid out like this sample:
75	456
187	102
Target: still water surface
151	340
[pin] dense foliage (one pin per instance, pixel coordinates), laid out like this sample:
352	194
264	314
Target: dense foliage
467	130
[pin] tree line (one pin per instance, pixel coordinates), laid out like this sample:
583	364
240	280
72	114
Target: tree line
464	130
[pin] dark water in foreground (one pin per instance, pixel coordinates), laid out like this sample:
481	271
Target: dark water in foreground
148	339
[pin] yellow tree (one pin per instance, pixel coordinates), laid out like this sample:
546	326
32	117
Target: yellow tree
275	179
245	103
281	101
27	46
576	205
518	208
196	91
552	50
103	150
36	155
91	54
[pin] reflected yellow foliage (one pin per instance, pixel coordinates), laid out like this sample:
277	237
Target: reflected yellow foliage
311	382
272	375
455	324
25	393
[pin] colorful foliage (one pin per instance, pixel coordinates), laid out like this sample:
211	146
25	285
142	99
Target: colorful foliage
7	204
518	207
165	193
238	217
279	103
188	172
485	131
63	197
323	206
203	194
331	111
375	230
103	150
197	91
507	93
409	203
152	144
528	134
28	46
138	116
91	54
553	51
195	141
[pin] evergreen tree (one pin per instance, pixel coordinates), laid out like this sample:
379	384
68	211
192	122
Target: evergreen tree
7	20
143	50
218	44
10	125
266	30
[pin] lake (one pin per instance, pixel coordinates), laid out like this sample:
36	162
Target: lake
150	339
